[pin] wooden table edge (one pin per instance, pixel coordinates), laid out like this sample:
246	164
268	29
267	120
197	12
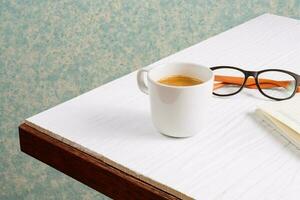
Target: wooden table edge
86	168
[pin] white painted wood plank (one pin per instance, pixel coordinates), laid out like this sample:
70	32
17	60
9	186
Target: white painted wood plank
236	157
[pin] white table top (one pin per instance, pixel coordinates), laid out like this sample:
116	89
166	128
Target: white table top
237	156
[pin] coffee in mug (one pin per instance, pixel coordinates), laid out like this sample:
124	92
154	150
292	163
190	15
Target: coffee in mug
180	80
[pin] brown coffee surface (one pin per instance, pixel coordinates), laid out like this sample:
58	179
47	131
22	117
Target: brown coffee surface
180	80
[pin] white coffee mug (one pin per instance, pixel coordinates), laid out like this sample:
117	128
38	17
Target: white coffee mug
177	111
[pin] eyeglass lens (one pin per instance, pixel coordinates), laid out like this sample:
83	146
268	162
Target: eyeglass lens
276	84
228	81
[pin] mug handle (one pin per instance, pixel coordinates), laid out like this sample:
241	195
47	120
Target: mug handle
141	80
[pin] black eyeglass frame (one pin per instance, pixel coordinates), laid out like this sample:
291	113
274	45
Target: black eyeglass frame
255	75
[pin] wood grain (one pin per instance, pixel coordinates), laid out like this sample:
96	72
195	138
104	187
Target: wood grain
86	168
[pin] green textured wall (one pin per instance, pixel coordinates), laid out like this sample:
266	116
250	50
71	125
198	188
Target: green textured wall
51	51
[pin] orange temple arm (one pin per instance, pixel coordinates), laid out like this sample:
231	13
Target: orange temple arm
250	83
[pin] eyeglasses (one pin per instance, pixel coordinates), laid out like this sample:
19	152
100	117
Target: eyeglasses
275	84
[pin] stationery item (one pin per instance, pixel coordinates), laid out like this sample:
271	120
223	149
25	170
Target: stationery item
178	110
275	84
284	116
